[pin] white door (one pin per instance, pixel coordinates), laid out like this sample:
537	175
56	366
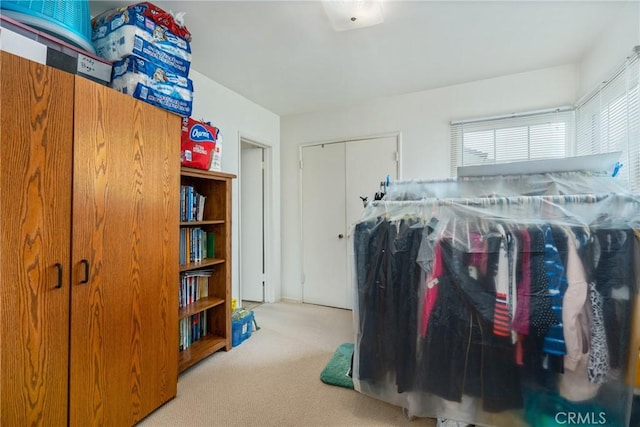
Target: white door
324	225
334	177
252	222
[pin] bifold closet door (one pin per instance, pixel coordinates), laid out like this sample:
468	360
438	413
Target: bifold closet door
124	327
368	163
324	225
334	177
36	111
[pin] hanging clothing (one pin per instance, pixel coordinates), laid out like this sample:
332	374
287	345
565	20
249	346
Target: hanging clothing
554	340
461	354
614	281
406	239
520	322
489	310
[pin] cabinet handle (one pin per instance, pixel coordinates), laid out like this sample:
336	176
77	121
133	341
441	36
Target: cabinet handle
59	268
86	271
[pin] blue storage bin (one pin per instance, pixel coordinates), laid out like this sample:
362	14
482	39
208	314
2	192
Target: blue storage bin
241	329
69	20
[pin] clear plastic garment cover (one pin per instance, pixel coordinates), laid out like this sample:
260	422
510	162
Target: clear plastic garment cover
502	301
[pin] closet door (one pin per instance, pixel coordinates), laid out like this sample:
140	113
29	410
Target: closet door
334	176
36	112
124	327
368	162
324	225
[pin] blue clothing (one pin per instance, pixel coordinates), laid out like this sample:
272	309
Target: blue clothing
557	279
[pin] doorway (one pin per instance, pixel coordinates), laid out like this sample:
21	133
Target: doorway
252	223
334	177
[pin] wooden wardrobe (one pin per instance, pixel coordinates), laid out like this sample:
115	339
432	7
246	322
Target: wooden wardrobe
88	250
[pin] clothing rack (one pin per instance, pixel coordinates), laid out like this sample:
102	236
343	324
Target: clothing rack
511	200
396	247
557	183
594	208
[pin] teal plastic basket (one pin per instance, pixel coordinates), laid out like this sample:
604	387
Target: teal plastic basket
69	20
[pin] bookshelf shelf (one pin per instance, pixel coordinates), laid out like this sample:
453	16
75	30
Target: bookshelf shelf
204	325
197	223
200	349
198	306
202	264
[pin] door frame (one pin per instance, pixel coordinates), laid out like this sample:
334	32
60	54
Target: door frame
396	134
267	190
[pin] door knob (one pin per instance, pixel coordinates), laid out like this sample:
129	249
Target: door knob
340	236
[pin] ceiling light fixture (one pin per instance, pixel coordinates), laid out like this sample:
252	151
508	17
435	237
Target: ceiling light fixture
351	14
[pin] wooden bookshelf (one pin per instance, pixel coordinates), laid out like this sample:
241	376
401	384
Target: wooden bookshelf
216	306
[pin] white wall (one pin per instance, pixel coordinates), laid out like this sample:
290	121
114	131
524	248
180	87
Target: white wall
423	119
235	116
611	48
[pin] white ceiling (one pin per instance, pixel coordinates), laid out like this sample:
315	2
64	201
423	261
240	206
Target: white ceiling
284	55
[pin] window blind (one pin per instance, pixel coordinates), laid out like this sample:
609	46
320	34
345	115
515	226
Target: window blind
608	119
605	120
528	136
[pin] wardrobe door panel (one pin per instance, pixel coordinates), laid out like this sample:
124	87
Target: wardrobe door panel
36	111
158	211
125	216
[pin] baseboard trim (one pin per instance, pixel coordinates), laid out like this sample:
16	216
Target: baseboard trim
290	300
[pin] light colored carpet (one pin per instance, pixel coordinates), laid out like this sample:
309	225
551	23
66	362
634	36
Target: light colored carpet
273	378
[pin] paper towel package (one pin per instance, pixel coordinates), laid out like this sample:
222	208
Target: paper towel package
131	33
149	82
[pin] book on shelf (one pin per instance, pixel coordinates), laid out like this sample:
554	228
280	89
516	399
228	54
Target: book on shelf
193	245
191	204
200	210
195	327
192	329
194	285
210	245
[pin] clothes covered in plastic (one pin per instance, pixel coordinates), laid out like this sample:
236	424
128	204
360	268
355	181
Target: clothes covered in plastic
505	311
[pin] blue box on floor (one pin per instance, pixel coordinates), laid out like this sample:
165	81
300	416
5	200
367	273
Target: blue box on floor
241	329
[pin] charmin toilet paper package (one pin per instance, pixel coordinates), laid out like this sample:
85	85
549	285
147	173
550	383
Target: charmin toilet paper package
173	22
201	145
147	81
128	32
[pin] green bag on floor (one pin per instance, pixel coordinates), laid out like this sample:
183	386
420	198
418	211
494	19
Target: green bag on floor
338	369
